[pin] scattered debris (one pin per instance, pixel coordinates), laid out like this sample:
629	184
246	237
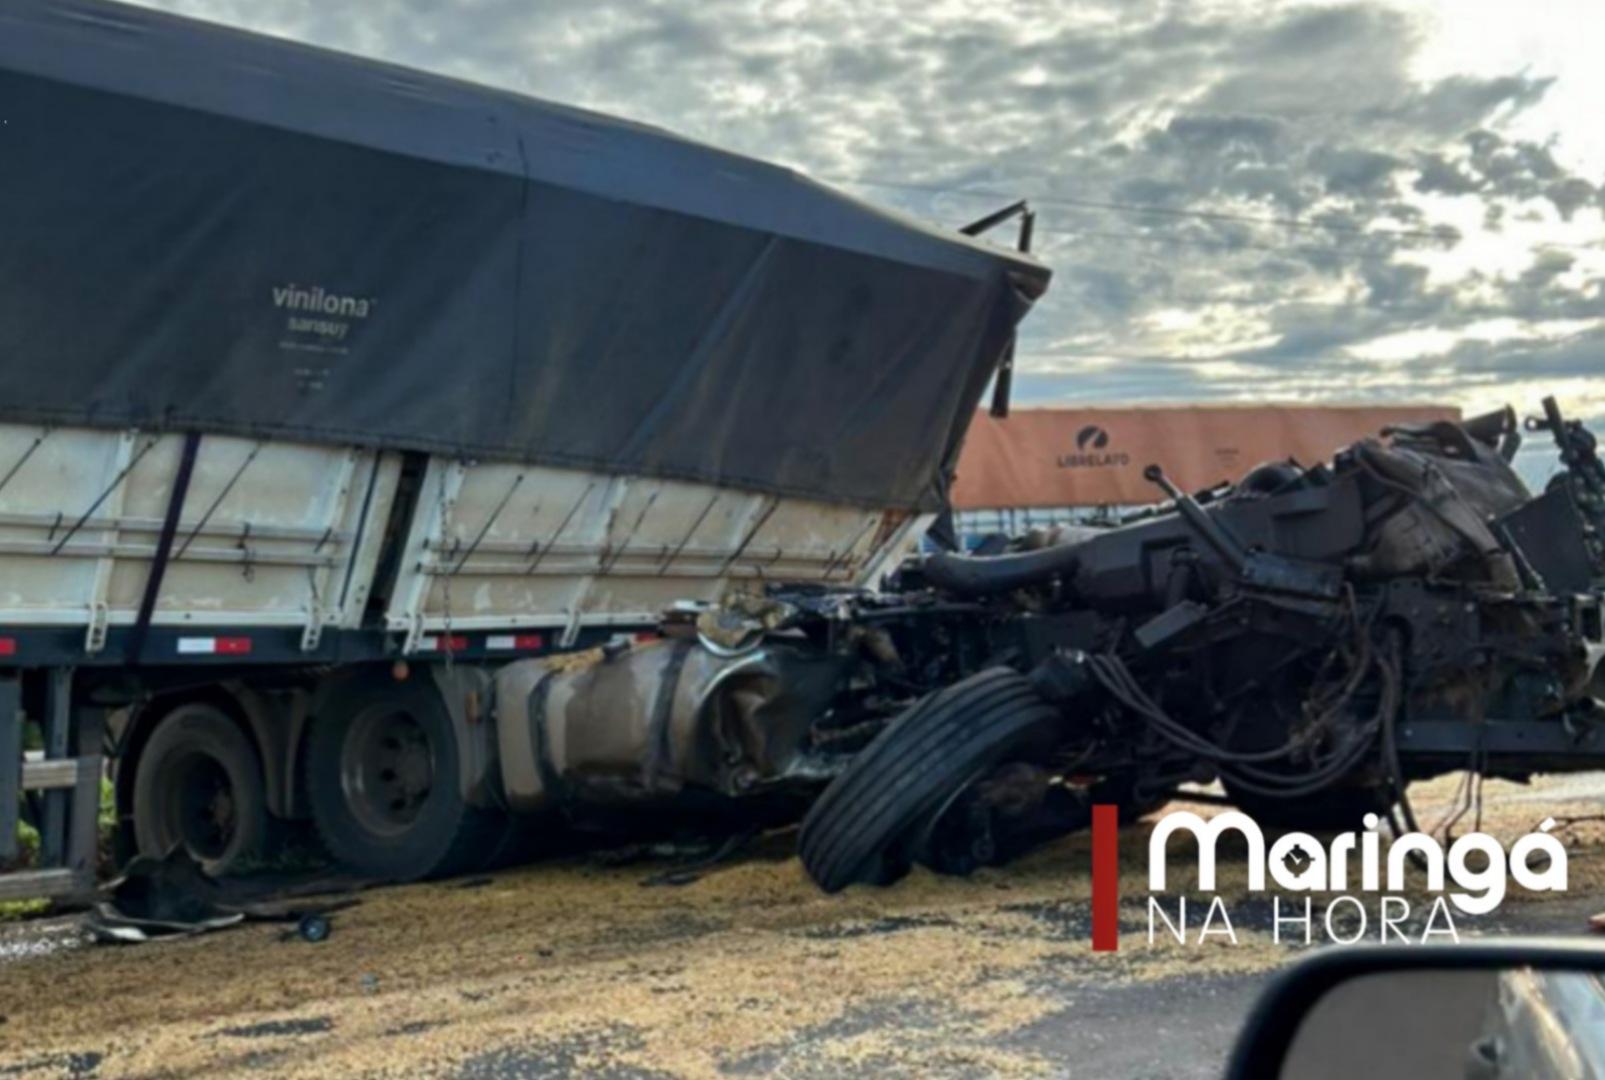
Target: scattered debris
687	873
313	928
174	897
157	898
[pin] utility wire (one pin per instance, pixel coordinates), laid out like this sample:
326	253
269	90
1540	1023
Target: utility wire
1152	208
1217	243
1445	234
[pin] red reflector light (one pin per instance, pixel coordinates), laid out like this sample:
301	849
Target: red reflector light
528	641
455	643
234	646
8	646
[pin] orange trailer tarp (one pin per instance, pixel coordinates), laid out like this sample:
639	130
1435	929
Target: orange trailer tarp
1052	457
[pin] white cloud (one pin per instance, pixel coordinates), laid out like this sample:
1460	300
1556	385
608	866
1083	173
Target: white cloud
1294	160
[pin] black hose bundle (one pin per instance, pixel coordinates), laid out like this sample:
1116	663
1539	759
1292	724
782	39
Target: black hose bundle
1245	769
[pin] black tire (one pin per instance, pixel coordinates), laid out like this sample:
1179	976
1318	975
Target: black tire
382	780
199	785
857	830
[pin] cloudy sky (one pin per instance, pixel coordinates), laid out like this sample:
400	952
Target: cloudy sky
1386	199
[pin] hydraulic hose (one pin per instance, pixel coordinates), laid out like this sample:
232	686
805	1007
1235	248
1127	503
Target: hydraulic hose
969	575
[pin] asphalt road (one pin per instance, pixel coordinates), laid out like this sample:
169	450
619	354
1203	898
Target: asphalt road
578	967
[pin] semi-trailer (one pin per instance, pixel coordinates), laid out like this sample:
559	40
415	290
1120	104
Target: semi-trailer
327	387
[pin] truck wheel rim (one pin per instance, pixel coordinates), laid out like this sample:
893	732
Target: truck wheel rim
387	770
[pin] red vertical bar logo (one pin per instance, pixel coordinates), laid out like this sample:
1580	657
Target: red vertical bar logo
1105	878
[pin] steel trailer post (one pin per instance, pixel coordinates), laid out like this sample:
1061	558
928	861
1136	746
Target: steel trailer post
10	764
83	839
57	717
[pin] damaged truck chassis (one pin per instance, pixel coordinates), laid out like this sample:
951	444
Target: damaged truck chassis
1312	638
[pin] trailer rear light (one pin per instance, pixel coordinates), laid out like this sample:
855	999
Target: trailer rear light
455	643
214	646
515	642
8	646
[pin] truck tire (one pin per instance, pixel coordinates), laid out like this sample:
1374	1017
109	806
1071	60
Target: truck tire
381	769
859	828
199	785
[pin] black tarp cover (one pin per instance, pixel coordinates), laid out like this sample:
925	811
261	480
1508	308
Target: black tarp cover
202	228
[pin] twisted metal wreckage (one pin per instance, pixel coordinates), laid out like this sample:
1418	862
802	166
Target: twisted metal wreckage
1314	638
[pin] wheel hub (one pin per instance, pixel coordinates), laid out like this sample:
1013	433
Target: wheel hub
387	769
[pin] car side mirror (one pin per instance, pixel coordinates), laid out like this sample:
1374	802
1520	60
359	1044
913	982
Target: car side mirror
1460	1012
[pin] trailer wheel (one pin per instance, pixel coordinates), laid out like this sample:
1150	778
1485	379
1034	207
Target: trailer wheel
199	785
862	828
381	765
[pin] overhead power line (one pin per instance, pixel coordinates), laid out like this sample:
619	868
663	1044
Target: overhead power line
1153	208
1219	216
1217	243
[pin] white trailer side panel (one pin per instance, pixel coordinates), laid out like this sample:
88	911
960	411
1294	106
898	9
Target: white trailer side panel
276	534
499	545
271	534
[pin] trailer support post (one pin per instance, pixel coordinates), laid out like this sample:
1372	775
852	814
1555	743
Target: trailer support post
57	715
83	842
10	765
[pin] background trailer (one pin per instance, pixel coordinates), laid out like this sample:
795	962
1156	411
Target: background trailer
1056	463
